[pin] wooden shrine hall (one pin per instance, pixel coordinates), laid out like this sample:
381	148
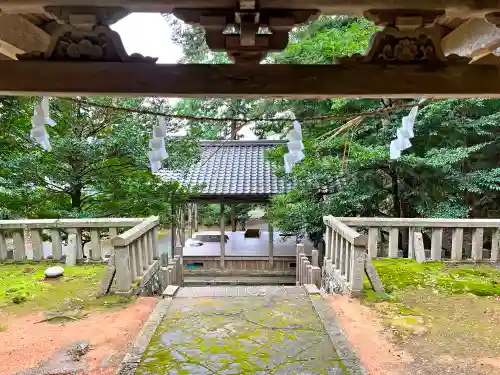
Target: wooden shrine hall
425	48
231	172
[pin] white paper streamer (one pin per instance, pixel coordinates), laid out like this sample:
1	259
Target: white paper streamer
295	147
157	151
403	135
40	118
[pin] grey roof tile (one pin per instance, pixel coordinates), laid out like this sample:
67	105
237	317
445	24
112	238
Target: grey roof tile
233	168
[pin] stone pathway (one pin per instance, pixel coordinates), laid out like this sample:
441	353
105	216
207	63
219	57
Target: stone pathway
241	330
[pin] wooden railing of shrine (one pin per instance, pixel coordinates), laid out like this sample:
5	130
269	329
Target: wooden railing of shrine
54	228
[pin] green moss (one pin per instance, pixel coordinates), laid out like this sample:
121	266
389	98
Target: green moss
23	288
401	274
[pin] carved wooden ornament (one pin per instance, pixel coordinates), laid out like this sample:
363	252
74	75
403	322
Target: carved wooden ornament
100	44
403	47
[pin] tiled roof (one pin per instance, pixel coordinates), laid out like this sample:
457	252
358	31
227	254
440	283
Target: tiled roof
233	168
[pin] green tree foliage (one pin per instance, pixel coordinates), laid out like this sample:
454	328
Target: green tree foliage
98	166
451	170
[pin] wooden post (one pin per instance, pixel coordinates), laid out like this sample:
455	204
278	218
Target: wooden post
477	244
95	241
182	226
190	220
271	245
373	242
233	218
173	238
298	254
222	237
113	232
55	236
495	238
37	244
457	241
195	217
436	243
19	249
124	275
393	243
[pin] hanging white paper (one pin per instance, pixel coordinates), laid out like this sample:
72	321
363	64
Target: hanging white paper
157	151
403	134
40	118
394	150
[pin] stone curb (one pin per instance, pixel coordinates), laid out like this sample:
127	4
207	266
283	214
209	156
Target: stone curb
346	354
131	361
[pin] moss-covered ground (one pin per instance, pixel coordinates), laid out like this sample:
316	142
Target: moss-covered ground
24	289
446	315
271	333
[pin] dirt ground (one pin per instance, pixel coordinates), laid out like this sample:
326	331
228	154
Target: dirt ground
450	335
25	343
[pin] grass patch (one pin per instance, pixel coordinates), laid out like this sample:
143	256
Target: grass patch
423	296
23	289
402	274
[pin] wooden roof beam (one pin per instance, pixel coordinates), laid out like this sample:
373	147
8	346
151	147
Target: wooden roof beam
18	35
474	38
455	8
248	81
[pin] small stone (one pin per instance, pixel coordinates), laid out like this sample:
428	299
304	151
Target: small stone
335	371
50	257
52	272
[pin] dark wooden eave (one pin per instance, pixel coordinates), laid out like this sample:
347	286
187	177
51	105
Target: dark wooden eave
248	81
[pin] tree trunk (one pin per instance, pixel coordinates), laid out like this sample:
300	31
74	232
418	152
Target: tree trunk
76	197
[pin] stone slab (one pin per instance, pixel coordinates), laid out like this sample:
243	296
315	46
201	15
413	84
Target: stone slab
133	357
373	276
274	332
108	278
311	289
170	291
418	243
345	352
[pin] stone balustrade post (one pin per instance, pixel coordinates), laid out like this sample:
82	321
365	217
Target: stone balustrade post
124	275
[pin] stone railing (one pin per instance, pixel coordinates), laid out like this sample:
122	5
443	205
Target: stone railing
344	259
465	237
307	272
16	230
136	254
